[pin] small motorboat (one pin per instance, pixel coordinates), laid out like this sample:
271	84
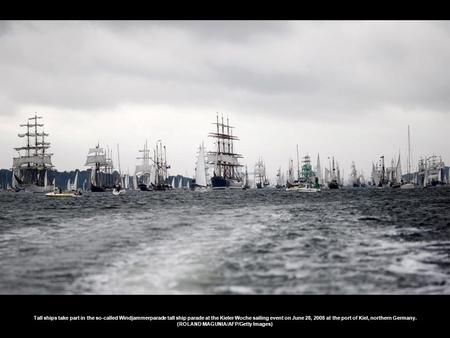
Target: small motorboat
63	194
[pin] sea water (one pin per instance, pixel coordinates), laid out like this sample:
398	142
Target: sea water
355	241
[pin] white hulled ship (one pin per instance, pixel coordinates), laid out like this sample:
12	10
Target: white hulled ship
145	172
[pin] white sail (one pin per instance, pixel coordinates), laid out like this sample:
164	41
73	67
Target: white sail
398	170
180	183
425	179
143	168
13	181
319	171
152	175
135	185
84	185
327	175
68	185
39	160
188	185
95	150
93	176
173	183
75	182
200	170
45	179
93	159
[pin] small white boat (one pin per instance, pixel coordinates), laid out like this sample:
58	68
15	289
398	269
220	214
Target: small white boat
303	189
407	186
63	194
306	189
119	192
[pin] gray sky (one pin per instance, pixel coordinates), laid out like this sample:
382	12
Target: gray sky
347	89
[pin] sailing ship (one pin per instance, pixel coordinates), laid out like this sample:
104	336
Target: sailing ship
384	177
356	181
307	178
431	171
292	183
145	172
200	180
101	169
280	180
31	168
226	173
332	176
261	180
161	168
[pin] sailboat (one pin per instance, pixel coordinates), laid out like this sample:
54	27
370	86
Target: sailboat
119	187
200	182
280	180
143	172
333	177
292	183
30	168
159	180
261	180
72	186
226	174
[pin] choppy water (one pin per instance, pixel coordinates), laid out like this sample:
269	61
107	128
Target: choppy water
254	241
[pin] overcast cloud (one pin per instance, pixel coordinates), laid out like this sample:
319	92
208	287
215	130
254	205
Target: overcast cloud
344	89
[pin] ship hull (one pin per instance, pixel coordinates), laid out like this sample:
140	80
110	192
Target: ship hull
144	187
220	183
333	185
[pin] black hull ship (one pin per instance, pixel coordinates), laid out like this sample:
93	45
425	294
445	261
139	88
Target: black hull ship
101	169
153	176
225	161
32	168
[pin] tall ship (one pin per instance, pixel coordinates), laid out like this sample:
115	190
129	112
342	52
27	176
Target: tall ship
431	171
307	179
145	172
292	181
226	173
383	176
161	177
32	167
280	180
333	176
356	180
101	169
261	180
